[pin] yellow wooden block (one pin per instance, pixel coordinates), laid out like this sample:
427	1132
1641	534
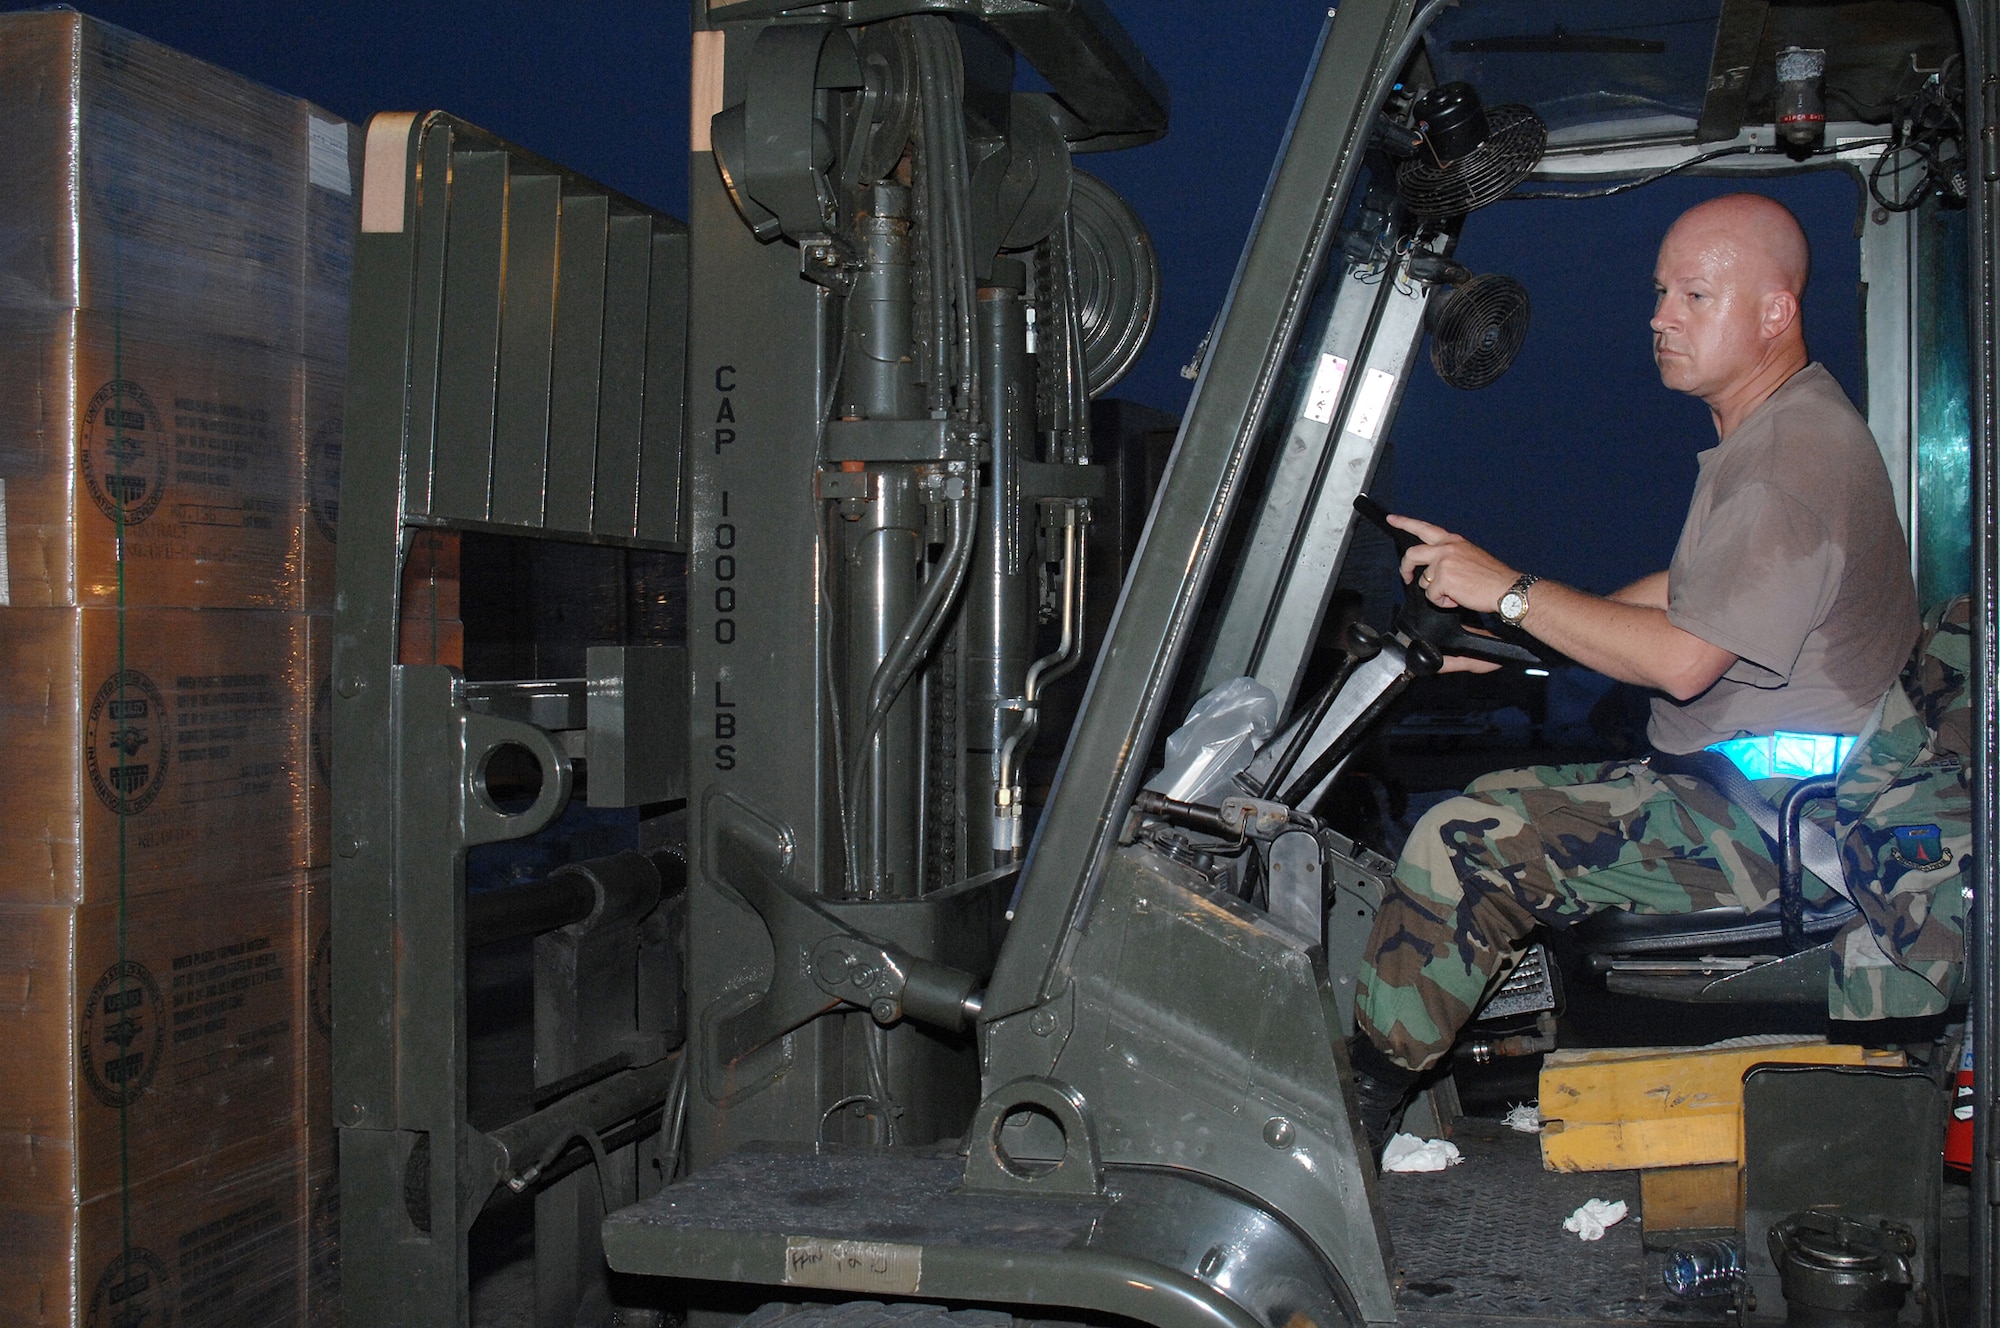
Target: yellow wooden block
1691	1198
1634	1108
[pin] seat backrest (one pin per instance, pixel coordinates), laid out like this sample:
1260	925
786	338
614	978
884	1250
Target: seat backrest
1905	833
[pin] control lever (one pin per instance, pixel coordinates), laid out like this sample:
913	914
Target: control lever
1360	643
1423	621
1238	817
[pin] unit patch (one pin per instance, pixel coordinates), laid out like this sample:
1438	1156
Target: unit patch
1920	846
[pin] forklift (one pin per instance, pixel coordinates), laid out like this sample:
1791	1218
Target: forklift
887	1017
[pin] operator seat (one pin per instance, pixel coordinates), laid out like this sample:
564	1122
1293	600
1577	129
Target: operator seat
1922	751
1729	930
1781	952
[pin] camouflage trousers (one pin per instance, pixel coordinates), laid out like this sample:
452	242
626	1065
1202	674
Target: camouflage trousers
1549	844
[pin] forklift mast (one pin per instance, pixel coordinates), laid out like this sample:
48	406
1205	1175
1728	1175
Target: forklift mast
903	294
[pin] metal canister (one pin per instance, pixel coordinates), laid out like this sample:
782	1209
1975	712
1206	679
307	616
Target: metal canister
1840	1271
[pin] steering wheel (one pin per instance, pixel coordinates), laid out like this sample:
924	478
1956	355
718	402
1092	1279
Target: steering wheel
1444	630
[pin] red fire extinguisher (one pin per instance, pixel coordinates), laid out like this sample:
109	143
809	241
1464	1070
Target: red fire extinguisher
1958	1131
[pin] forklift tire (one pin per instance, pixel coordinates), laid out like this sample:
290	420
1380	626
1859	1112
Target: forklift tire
872	1314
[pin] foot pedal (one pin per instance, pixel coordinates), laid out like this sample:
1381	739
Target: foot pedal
1529	989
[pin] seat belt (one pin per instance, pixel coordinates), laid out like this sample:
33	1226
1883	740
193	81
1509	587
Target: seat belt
1817	851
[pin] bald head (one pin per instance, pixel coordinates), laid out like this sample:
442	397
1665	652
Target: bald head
1726	325
1761	234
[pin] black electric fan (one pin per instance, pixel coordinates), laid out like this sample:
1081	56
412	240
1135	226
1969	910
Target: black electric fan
1477	323
1466	156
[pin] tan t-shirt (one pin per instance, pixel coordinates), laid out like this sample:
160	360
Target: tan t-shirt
1792	560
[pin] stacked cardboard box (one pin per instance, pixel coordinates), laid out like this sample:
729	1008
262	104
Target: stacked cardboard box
431	630
175	245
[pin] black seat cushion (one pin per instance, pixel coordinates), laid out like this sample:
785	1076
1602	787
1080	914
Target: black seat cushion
1618	931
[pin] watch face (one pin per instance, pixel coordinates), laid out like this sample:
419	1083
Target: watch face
1513	605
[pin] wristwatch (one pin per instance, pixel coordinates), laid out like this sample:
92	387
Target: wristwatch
1514	604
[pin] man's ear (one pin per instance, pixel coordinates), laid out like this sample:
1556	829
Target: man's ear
1781	314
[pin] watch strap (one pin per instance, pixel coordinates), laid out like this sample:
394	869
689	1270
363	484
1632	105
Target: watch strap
1520	588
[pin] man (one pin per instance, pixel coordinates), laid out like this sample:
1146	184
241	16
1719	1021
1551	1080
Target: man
1788	606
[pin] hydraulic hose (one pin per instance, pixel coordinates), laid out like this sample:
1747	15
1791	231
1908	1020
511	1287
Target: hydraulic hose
913	643
1076	368
948	244
1041	674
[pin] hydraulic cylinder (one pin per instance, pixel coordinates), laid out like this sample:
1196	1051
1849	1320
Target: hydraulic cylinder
998	590
878	378
885	548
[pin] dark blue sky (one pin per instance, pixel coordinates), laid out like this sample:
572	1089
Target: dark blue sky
1576	465
602	88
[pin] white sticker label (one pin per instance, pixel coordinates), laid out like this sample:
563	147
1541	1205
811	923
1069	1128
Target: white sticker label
853	1265
1371	403
4	583
326	161
1324	394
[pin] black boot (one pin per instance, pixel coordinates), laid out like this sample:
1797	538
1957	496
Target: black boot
1381	1089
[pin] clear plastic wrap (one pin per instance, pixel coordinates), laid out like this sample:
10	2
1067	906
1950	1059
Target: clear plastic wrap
176	244
175	251
1218	738
154	750
180	1035
322	390
212	1244
318	760
319	1255
143	179
147	465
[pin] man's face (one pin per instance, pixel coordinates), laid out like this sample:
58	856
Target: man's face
1706	313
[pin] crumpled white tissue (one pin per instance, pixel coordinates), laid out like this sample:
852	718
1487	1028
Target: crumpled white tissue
1406	1152
1523	1116
1590	1221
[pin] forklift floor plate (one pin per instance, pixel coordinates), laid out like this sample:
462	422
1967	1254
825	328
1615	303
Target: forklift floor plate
1483	1242
715	1218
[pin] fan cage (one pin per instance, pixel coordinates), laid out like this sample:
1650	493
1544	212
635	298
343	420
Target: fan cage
1514	142
1477	329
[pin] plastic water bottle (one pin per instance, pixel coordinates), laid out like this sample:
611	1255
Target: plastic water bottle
1705	1268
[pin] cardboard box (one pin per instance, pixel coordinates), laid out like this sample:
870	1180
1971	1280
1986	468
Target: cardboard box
154	750
1628	1109
138	1036
175	255
333	198
212	1244
430	630
335	151
147	465
315	1018
322	1242
140	179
